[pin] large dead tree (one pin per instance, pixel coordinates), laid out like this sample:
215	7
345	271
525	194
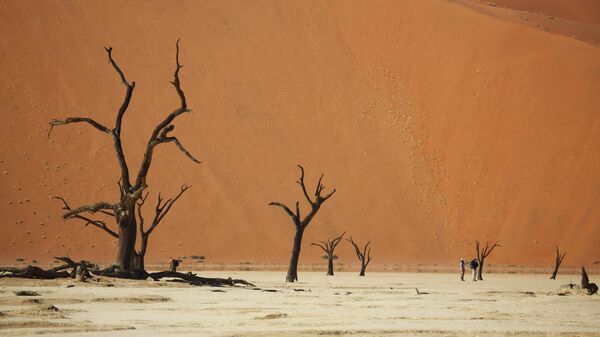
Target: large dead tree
482	254
329	249
301	223
364	256
124	210
557	262
160	211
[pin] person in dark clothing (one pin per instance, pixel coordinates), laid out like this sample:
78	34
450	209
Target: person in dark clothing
474	265
173	264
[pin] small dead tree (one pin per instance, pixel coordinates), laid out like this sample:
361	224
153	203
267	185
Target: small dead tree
124	211
557	261
482	254
586	285
161	210
301	224
329	249
364	256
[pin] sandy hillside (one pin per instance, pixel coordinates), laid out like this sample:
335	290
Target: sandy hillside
378	305
438	123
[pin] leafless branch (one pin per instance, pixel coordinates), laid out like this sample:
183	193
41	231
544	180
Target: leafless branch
329	245
163	209
364	256
285	208
114	64
94	208
70	120
155	137
97	223
301	183
180	147
321	245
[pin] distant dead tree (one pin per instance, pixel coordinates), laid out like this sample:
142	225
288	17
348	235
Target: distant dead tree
329	249
586	285
364	256
161	209
557	261
124	211
301	224
482	254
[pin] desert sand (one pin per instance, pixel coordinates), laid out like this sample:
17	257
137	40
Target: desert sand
380	304
438	123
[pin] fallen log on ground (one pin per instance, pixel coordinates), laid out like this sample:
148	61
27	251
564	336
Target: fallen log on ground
197	280
33	272
85	269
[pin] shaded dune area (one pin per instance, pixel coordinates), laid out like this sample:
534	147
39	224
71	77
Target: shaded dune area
437	123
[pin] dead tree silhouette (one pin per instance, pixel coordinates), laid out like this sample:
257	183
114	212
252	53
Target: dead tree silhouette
590	288
329	249
124	211
364	256
557	262
482	254
301	224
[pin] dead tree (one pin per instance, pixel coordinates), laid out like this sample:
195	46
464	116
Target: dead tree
160	211
586	285
482	254
329	249
364	256
130	191
557	261
301	224
35	272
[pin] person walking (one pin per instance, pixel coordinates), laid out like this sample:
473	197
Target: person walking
474	265
462	269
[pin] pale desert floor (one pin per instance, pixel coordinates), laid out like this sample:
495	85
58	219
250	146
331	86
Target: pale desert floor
380	304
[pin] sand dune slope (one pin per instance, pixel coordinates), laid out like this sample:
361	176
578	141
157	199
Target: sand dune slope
436	123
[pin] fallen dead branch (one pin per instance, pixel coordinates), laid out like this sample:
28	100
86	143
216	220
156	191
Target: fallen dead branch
85	269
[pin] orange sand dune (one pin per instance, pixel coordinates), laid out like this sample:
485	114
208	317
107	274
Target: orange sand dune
438	124
586	11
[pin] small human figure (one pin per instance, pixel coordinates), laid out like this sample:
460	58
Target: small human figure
462	269
173	264
474	265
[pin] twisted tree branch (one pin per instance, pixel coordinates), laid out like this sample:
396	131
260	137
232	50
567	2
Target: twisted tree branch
158	135
70	120
97	223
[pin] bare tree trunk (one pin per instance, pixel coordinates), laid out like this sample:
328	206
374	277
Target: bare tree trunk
553	277
127	237
292	274
558	260
480	270
139	257
330	266
362	270
138	262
